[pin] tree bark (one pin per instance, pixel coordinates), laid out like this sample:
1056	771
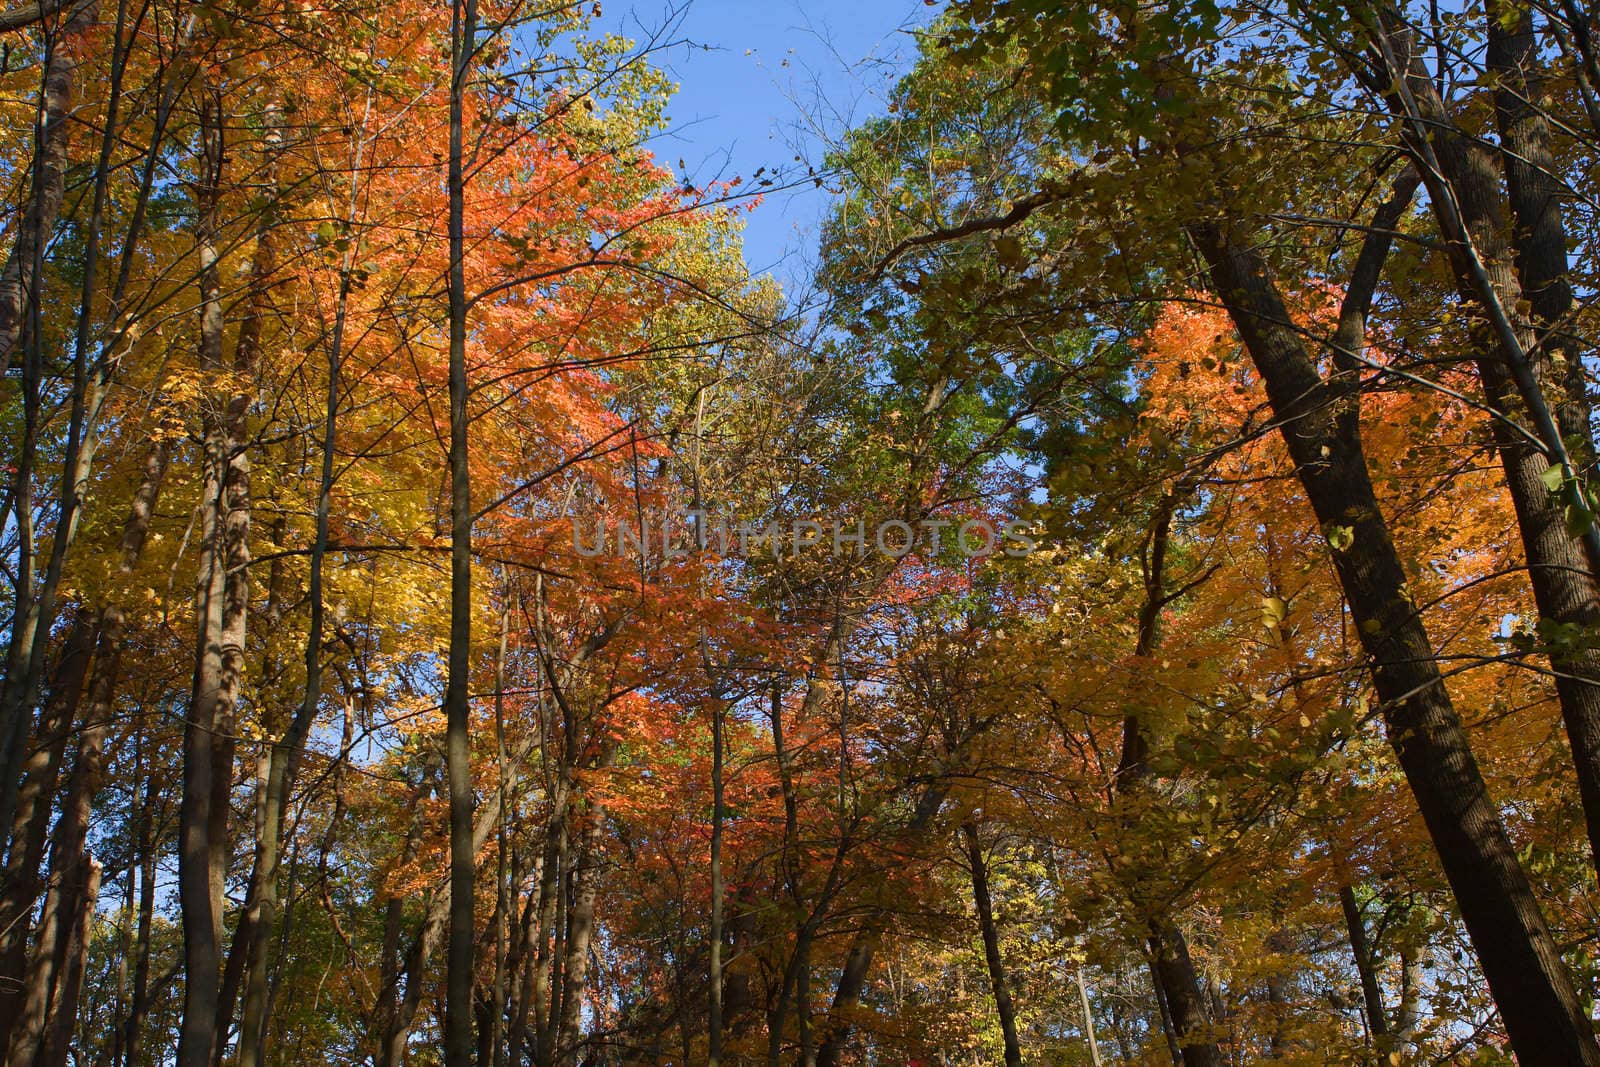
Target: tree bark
221	605
1170	964
30	832
286	751
991	944
1515	361
1371	995
580	932
139	1000
718	888
34	608
1534	194
51	134
458	1042
1519	957
55	971
69	983
858	961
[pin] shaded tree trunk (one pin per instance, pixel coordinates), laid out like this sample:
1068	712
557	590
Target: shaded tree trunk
69	983
1517	358
221	606
580	932
1371	994
457	705
30	833
66	50
139	1001
1319	424
1170	964
991	944
33	612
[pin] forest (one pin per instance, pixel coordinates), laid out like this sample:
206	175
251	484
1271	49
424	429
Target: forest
1133	597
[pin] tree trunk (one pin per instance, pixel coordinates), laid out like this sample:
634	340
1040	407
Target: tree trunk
1088	1019
1514	363
31	828
386	1012
55	970
69	983
528	957
853	977
718	888
17	283
1169	1029
1405	1026
550	882
139	1001
991	944
221	606
34	608
580	933
399	1016
1371	995
1539	235
1183	995
1519	958
457	705
287	749
1170	964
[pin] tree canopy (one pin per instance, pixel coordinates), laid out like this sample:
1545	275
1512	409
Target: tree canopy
1143	605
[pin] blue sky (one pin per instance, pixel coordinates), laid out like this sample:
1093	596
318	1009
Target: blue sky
761	81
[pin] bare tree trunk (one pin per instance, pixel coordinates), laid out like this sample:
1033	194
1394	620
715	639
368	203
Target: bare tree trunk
219	657
580	932
1169	1028
1539	235
853	976
1371	995
790	860
386	1011
457	705
392	1043
991	944
286	751
528	960
551	879
506	880
140	1000
718	888
30	832
1182	994
742	933
1170	965
69	983
1405	1028
66	47
54	969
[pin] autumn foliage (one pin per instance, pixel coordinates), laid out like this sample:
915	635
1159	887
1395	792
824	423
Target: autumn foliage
1272	734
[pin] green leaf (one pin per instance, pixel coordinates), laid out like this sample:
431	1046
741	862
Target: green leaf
1578	520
